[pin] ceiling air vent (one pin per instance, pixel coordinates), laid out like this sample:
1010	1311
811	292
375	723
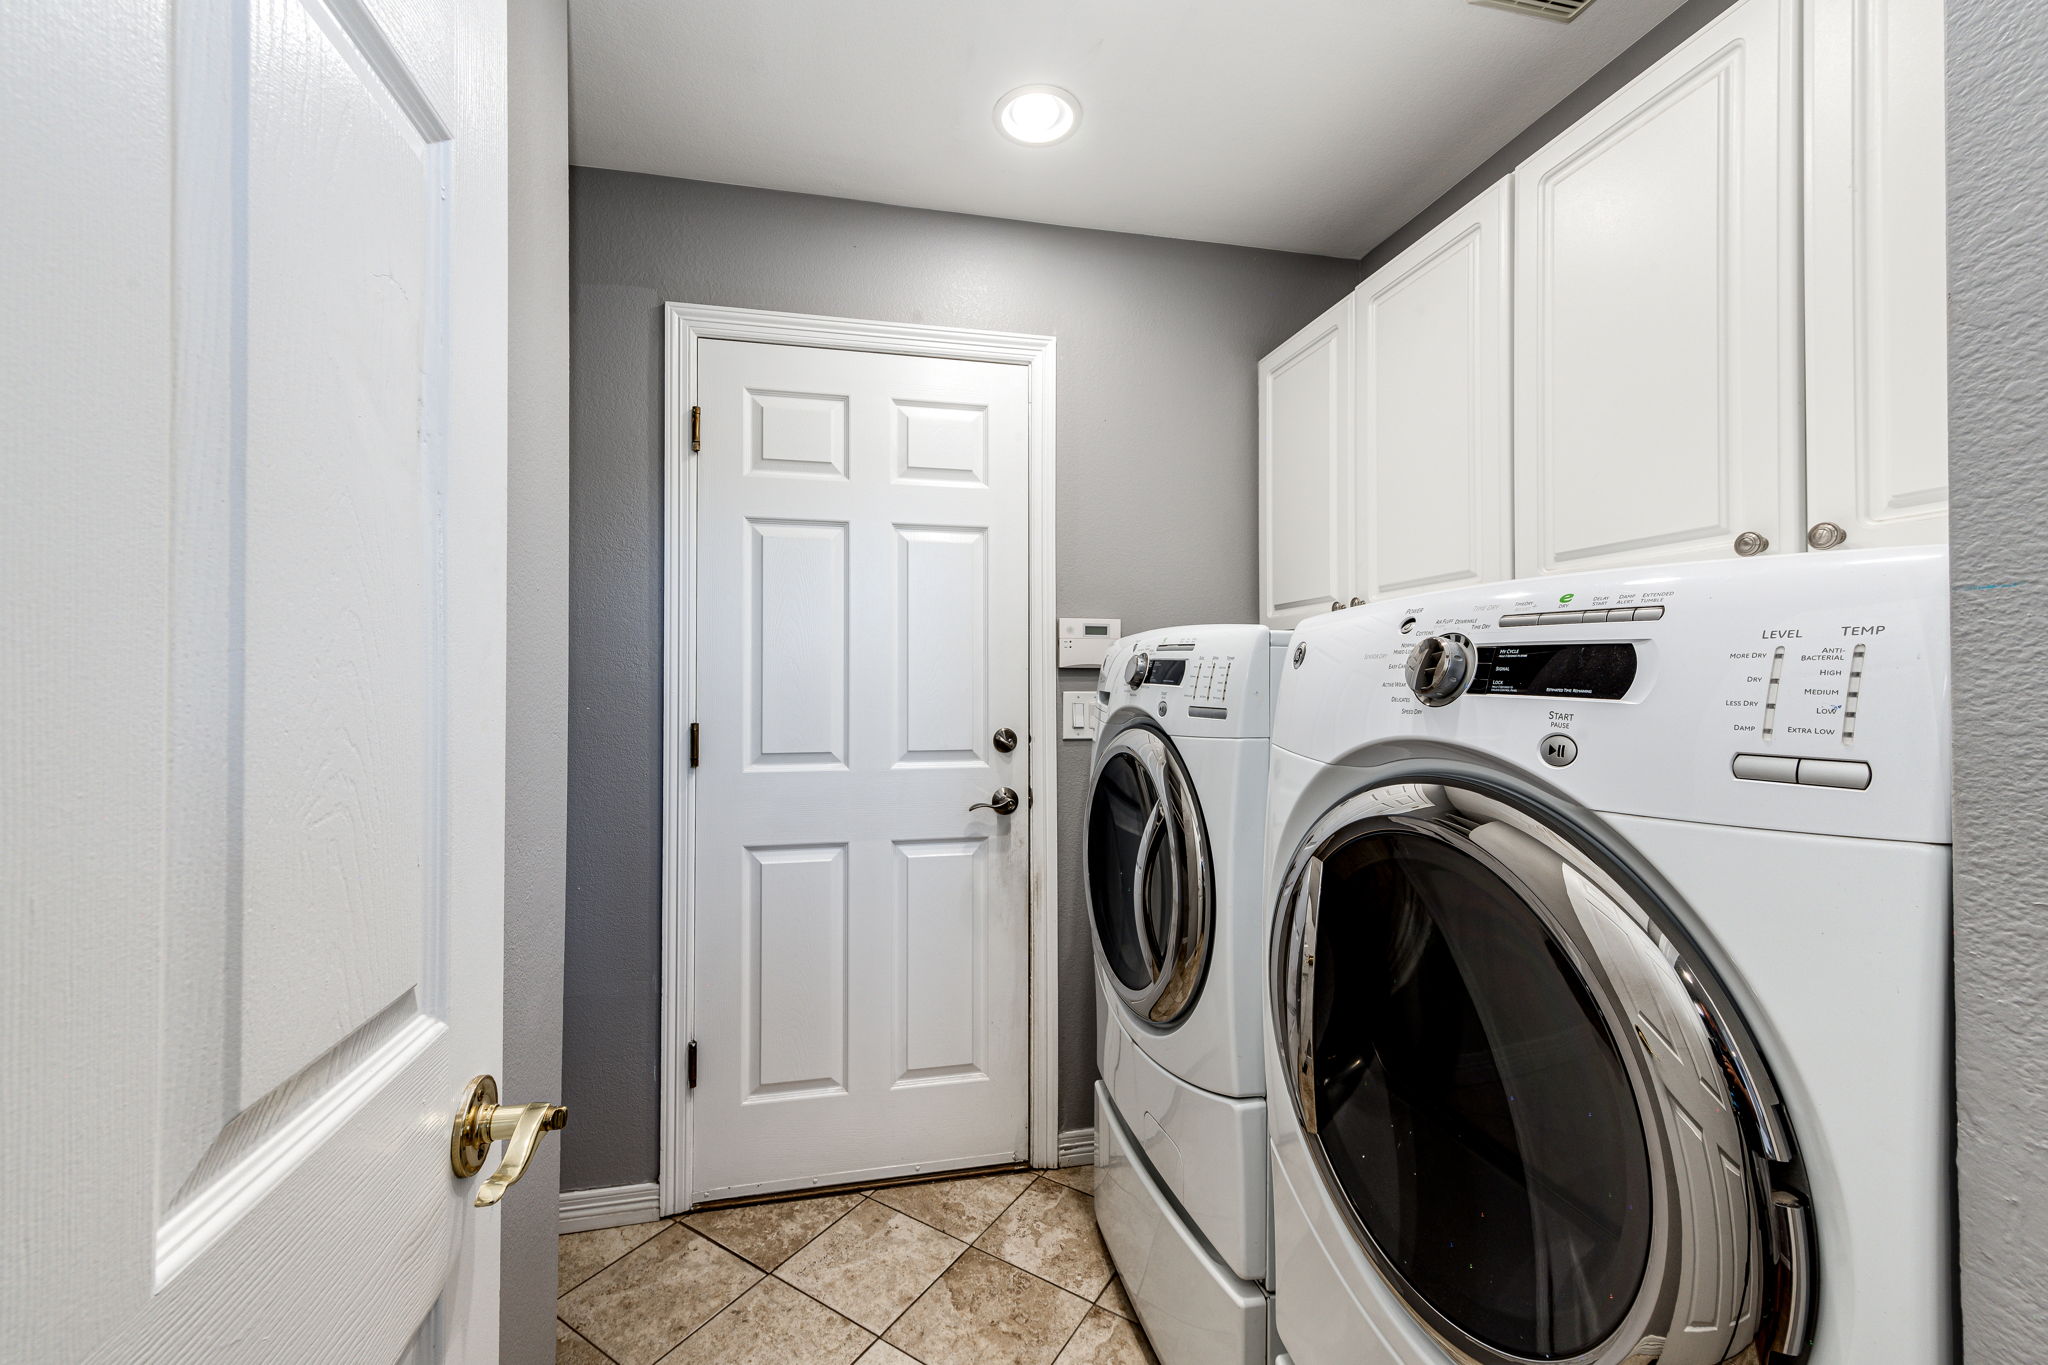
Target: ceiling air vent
1564	11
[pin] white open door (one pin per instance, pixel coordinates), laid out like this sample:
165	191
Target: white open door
253	555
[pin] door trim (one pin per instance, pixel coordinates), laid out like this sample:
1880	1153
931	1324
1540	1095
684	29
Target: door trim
683	326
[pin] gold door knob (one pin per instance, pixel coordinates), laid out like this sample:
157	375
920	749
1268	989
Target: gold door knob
484	1121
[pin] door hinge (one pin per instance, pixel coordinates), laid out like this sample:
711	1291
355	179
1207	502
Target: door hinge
693	743
696	428
691	1079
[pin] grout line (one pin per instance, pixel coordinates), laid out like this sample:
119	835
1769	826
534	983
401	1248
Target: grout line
561	1294
858	1201
587	1341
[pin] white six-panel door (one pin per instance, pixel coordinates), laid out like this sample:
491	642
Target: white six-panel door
859	934
1657	412
1434	474
254	549
1305	462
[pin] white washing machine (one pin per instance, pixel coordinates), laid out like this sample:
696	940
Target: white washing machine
1174	859
1608	986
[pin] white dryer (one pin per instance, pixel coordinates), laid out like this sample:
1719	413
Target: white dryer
1609	970
1174	859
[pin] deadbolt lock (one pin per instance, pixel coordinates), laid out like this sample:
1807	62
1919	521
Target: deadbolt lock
483	1121
1006	740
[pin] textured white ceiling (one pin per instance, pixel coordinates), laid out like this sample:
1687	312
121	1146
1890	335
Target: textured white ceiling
1303	125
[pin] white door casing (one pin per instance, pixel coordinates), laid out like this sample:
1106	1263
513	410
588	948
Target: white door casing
1434	408
1306	455
254	543
1877	271
1657	399
862	628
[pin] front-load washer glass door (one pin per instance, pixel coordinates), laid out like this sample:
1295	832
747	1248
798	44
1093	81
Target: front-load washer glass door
1517	1089
1150	887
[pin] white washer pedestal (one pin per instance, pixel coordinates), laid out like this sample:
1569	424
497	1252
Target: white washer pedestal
1193	1308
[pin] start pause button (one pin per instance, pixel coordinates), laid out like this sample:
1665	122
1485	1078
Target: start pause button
1559	750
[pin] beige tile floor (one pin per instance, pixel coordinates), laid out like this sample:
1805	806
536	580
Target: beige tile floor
1000	1269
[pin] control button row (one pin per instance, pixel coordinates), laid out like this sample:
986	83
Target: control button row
1807	772
1583	618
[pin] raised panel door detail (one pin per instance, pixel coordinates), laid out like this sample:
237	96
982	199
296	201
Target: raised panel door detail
941	442
797	936
1433	409
1305	457
942	612
797	625
801	434
942	914
335	585
1656	376
1877	272
252	579
857	640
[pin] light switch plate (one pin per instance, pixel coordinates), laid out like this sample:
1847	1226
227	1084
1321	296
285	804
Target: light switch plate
1085	640
1080	715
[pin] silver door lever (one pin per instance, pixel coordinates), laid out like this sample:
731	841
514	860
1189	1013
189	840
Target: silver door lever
1002	803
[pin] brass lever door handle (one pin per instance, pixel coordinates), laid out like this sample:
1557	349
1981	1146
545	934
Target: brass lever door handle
484	1121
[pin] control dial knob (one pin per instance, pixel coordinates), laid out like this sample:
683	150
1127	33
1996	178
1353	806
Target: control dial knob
1134	671
1440	668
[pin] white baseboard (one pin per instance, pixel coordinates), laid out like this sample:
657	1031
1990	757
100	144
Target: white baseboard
1077	1147
612	1207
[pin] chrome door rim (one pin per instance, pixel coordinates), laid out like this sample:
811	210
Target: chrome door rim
1175	968
1772	1232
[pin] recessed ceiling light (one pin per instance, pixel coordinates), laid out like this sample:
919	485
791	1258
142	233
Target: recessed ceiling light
1037	114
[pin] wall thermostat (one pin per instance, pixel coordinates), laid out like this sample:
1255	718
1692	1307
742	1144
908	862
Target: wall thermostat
1085	640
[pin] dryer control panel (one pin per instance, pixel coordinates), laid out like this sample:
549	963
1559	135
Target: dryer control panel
1802	692
1197	680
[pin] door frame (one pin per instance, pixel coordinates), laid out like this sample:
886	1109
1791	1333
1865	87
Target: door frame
683	326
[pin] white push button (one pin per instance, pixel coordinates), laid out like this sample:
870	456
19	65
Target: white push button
1833	772
1766	768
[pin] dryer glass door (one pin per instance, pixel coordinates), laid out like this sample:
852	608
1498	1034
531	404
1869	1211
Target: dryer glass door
1149	882
1513	1084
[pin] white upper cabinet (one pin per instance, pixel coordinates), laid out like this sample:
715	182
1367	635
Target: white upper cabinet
1876	273
1433	409
1657	402
1305	458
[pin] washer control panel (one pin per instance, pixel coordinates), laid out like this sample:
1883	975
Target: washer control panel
1801	692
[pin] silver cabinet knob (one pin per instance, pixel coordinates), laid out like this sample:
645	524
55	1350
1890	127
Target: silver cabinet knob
1336	606
1358	601
1751	543
1825	535
1002	803
1005	740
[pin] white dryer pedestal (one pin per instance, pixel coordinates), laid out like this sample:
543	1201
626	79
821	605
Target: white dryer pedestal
1194	1309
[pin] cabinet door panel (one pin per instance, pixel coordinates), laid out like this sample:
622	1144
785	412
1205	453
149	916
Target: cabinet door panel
1876	272
1656	297
1433	403
1305	456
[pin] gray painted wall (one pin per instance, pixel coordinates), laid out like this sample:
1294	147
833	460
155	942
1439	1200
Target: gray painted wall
1998	430
1157	403
536	653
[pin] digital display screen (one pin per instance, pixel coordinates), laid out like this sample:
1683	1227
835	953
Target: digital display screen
1095	630
1167	672
1602	672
